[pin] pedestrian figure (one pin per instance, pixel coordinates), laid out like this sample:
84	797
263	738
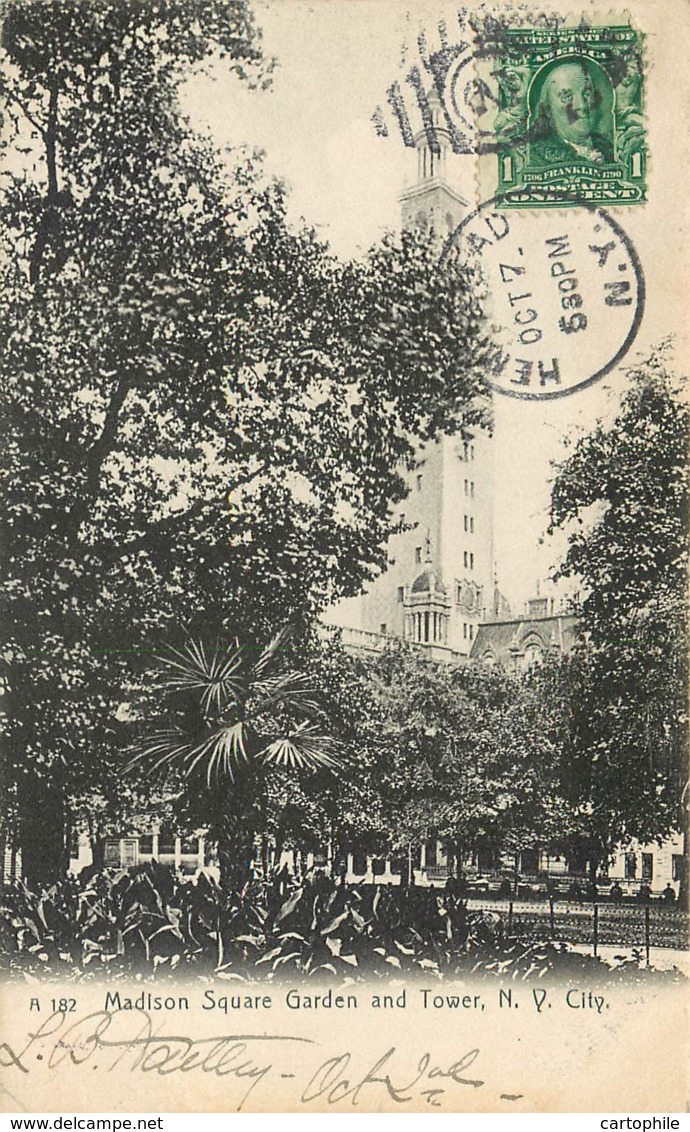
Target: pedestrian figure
616	893
456	886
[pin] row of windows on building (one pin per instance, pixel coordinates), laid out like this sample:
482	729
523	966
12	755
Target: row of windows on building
646	861
426	627
429	627
188	853
468	455
165	843
469	523
467	561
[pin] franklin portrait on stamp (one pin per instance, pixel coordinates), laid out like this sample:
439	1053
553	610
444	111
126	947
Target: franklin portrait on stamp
570	124
566	118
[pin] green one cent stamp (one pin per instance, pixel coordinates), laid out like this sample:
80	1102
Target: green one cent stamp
570	126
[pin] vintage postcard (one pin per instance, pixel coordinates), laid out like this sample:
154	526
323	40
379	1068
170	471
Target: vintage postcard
345	659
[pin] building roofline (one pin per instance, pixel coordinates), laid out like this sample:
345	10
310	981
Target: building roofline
421	188
529	618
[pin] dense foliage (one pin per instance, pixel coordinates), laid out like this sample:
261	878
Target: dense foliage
165	335
146	923
466	754
232	716
112	364
622	495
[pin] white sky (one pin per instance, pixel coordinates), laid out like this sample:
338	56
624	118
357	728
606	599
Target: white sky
335	63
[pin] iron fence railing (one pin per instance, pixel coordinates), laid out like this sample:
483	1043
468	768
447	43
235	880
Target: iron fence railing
642	926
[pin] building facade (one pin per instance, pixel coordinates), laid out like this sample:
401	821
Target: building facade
437	588
519	642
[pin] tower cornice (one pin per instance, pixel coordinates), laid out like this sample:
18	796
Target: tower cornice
423	188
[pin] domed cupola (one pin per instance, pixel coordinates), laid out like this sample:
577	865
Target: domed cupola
427	609
428	582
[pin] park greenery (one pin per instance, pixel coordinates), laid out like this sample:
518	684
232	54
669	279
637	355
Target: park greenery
622	495
168	336
147	924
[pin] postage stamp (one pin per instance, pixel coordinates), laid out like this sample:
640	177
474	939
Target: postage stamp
569	124
553	111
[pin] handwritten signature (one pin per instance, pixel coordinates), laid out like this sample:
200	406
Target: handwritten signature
335	1082
117	1039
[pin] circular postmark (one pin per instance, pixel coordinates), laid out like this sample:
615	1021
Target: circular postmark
563	294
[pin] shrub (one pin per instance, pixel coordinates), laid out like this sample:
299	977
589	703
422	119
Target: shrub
148	922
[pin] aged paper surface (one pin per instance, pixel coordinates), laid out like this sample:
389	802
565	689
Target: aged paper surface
542	1041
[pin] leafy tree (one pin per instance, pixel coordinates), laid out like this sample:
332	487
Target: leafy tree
348	809
622	496
232	716
337	372
165	334
114	245
479	761
465	754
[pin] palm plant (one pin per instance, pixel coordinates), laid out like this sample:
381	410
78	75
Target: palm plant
232	718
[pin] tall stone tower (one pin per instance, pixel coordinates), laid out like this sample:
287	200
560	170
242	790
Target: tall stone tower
431	204
438	586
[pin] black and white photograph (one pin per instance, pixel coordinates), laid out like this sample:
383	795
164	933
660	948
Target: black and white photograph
344	684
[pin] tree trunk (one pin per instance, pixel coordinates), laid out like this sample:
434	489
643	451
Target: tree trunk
97	852
684	889
236	832
42	840
4	846
595	858
235	850
49	226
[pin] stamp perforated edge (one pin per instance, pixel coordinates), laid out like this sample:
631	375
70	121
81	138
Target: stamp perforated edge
485	163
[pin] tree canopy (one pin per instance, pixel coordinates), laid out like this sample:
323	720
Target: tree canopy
112	247
622	495
168	338
466	754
